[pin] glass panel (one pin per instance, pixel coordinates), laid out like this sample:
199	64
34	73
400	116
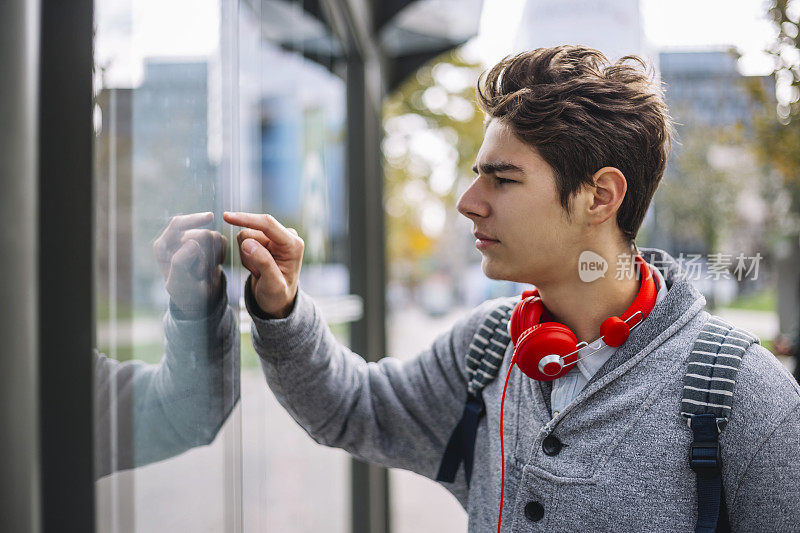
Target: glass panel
291	127
168	425
200	108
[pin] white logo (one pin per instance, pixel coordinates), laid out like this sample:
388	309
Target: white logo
591	266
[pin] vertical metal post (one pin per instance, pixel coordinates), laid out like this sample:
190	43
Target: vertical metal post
227	84
370	485
20	501
65	240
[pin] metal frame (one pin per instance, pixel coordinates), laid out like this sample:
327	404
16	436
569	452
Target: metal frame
20	501
351	20
65	277
46	296
369	484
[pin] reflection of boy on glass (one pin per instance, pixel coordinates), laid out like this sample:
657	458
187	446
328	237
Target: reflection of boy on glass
573	152
146	413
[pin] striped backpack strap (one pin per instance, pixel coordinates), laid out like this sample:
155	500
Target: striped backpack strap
487	349
708	388
483	361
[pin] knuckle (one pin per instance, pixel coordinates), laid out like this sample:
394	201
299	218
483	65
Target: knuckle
159	246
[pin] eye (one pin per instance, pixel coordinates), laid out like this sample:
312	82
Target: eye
503	181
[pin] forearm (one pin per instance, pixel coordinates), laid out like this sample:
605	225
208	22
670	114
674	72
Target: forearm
196	385
393	413
151	412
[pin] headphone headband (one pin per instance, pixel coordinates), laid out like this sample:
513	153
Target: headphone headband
646	297
540	343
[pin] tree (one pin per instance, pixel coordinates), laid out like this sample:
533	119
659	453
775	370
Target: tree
778	133
696	198
433	130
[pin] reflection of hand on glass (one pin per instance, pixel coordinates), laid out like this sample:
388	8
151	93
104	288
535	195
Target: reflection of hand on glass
147	413
190	260
274	255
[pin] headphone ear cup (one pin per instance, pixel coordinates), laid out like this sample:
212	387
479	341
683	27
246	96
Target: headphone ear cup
513	324
542	340
526	314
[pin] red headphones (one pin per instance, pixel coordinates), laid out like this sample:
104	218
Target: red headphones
547	350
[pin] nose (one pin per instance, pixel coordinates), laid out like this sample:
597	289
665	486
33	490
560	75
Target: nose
472	203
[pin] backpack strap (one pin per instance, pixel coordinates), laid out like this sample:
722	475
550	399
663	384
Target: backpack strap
483	361
708	387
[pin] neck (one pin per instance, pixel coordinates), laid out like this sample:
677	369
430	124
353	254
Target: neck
583	306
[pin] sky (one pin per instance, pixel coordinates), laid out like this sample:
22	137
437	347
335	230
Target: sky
666	23
742	23
133	29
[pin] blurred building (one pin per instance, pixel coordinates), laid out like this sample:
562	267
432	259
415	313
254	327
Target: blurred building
152	143
300	175
705	88
708	99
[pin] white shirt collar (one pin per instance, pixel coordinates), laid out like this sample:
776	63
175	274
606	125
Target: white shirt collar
589	366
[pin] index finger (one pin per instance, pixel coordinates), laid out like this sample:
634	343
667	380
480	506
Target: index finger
180	223
267	224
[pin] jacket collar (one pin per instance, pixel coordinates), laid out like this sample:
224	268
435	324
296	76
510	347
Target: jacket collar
682	297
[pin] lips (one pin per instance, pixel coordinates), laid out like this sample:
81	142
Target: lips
483	236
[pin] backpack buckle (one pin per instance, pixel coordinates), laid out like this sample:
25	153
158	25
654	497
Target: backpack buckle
705	459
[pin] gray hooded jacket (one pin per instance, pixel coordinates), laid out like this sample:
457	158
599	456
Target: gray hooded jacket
624	461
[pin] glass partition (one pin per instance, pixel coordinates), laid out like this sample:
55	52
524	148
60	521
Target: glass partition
202	107
167	365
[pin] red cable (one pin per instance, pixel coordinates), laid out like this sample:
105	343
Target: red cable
502	450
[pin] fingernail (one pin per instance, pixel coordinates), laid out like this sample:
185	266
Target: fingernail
249	246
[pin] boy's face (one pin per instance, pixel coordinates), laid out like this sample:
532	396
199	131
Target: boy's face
514	202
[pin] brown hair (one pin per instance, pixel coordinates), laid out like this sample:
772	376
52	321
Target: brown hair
581	113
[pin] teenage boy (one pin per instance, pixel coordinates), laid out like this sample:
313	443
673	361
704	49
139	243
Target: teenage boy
574	149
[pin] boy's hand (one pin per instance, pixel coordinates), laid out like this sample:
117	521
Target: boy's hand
274	255
190	260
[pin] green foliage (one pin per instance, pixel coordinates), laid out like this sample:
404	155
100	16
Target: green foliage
410	99
765	300
697	199
778	134
437	104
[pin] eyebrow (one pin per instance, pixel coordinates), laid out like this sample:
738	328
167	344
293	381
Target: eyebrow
494	168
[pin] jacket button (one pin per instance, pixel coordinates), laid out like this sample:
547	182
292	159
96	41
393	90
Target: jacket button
534	511
551	445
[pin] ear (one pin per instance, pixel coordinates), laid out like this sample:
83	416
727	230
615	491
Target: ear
607	193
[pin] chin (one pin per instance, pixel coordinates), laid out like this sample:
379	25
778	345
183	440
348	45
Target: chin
493	271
